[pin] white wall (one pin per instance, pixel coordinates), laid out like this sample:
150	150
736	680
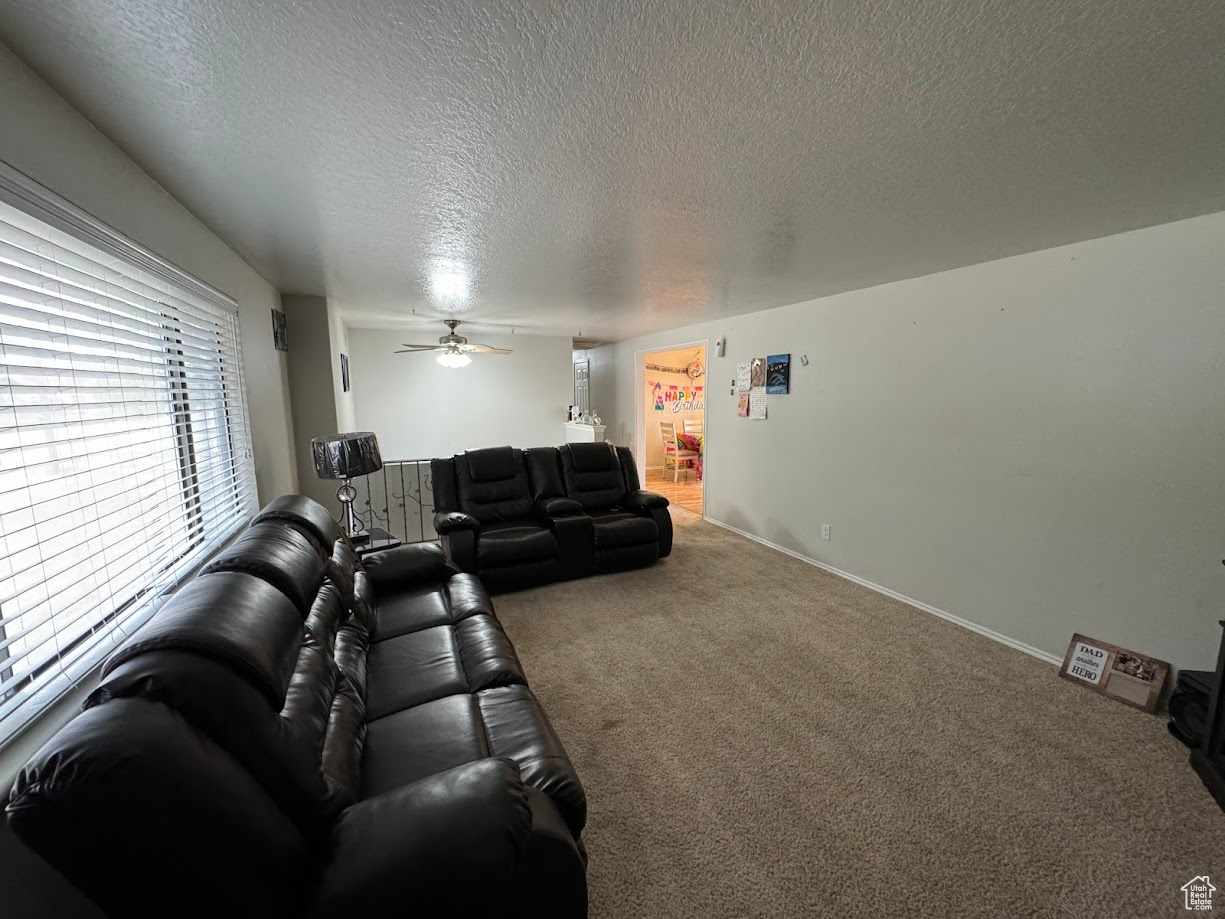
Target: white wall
346	411
48	140
601	377
312	385
1035	444
421	410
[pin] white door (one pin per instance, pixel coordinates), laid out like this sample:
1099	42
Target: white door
582	385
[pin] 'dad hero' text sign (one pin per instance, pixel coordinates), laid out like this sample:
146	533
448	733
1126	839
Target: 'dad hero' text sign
1132	678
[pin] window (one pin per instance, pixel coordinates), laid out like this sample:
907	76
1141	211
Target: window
125	452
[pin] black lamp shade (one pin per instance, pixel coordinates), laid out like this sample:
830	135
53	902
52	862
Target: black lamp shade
344	456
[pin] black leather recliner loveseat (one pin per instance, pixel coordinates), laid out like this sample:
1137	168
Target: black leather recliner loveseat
300	733
523	517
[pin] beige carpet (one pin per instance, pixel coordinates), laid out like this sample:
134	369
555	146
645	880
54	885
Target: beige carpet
760	738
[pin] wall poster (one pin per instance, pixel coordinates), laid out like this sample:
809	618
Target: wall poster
757	372
757	403
778	374
743	377
280	333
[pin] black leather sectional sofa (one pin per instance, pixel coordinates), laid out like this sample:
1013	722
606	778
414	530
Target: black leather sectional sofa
297	733
523	517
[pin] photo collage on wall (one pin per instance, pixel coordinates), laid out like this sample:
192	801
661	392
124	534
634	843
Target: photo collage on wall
757	378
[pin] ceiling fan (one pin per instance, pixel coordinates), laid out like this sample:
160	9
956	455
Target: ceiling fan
454	348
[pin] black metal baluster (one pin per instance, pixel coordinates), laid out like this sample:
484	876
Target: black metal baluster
403	503
420	503
386	500
429	486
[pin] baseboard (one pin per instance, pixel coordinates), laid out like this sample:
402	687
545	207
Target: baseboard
909	601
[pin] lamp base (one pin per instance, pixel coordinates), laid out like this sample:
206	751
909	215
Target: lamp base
346	494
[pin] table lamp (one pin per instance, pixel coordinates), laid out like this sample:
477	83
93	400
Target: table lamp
343	456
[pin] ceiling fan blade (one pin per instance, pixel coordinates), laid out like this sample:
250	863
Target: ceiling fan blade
485	349
408	349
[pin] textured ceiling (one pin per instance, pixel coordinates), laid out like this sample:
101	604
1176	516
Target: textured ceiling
617	167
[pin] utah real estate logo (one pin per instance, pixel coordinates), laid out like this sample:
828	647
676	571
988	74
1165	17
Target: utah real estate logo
1197	894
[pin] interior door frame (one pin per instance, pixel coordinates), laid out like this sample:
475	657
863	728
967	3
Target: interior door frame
640	392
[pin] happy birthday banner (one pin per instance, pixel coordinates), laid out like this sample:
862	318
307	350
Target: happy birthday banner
680	398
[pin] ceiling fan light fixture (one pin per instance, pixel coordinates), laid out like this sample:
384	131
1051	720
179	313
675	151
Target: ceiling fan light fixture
453	349
455	359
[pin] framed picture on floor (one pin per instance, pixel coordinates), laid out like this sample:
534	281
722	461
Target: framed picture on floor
1132	678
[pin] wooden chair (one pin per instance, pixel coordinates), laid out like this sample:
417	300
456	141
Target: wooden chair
673	451
692	425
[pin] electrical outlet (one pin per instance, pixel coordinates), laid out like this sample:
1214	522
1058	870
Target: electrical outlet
825	531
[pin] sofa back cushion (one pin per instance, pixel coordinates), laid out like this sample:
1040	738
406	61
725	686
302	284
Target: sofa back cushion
544	473
629	469
492	484
148	816
232	617
263	654
280	554
308	516
442	484
593	475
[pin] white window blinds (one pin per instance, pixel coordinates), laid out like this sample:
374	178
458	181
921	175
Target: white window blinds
125	452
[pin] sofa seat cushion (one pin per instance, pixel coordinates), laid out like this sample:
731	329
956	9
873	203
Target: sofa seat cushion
410	669
486	654
616	530
517	729
410	609
506	722
423	606
511	543
421	666
419	741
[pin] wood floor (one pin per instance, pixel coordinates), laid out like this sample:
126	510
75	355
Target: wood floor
686	493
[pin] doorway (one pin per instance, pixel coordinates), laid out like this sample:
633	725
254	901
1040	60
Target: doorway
673	424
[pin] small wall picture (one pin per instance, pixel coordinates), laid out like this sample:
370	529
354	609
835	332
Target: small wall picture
344	372
757	372
1132	678
280	335
778	374
742	405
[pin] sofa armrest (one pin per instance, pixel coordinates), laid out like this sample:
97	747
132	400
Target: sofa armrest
405	565
449	521
558	507
427	842
643	501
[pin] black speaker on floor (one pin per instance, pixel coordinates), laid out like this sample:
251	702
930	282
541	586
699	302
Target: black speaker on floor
1208	759
1189	706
